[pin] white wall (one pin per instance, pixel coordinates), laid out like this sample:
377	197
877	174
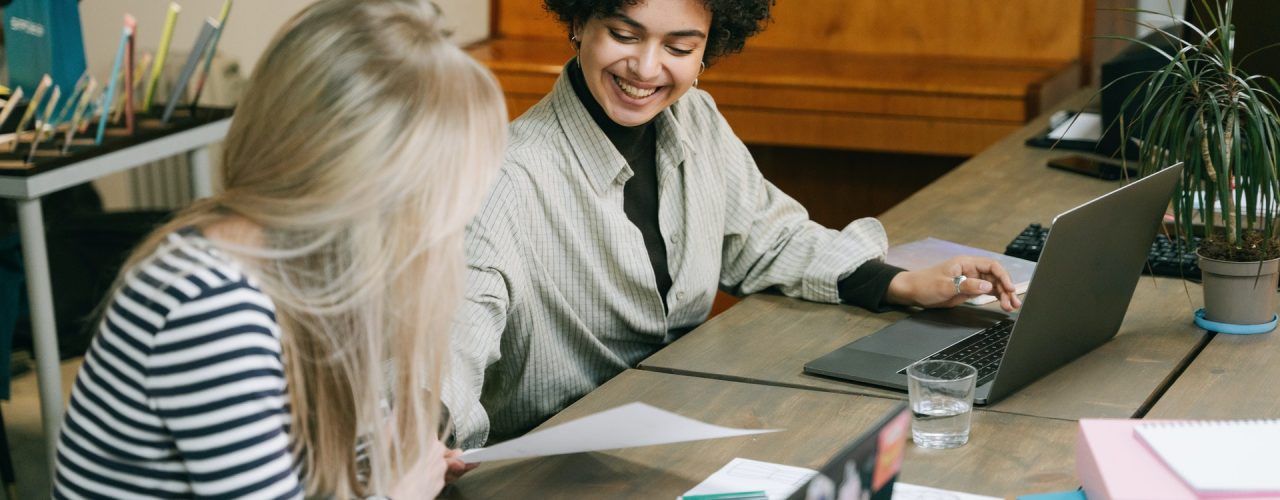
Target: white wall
1162	6
250	27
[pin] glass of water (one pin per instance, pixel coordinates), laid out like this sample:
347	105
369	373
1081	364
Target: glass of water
941	394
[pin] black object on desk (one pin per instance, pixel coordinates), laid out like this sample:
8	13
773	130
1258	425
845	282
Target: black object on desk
1044	140
1167	257
1084	165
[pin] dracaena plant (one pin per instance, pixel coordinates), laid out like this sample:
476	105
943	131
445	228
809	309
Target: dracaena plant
1202	109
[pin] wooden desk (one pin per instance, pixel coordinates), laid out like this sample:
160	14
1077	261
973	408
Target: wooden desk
1234	377
1007	454
983	203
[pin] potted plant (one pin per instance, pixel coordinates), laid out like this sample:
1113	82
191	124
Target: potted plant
1201	109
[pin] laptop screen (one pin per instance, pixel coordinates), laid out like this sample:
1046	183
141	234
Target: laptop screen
867	468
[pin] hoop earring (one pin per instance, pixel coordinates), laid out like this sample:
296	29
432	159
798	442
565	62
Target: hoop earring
701	69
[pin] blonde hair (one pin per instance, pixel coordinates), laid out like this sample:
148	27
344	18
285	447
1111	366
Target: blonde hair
364	144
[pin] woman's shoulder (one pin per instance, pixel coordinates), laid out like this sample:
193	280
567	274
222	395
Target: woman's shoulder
536	136
697	101
183	298
698	116
192	257
184	268
537	151
700	124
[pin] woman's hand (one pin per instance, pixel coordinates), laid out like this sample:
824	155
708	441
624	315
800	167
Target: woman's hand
936	286
427	477
456	466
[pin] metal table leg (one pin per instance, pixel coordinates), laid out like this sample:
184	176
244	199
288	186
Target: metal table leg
43	329
201	173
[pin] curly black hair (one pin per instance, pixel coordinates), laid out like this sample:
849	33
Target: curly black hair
732	21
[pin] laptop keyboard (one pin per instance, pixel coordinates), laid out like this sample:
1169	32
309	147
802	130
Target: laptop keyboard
982	350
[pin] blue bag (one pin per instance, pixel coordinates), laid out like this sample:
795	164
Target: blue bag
43	36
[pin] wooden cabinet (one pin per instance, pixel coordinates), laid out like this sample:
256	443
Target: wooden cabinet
943	77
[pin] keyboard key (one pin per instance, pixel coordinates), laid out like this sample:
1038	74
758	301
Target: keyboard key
982	350
1166	258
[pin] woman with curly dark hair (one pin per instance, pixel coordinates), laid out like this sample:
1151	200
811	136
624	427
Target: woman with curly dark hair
625	201
712	28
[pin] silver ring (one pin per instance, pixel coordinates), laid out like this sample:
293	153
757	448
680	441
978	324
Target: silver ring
957	281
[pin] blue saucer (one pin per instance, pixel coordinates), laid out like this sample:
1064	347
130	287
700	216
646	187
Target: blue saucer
1215	326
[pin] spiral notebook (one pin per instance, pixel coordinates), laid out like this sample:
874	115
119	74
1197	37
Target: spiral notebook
1222	456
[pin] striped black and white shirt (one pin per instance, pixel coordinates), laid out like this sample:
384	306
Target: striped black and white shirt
561	294
182	392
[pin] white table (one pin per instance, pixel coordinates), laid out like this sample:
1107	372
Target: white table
27	190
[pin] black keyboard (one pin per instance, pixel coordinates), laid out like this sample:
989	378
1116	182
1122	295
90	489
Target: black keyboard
1166	258
982	350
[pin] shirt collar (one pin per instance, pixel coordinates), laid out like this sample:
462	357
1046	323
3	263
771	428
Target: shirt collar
600	160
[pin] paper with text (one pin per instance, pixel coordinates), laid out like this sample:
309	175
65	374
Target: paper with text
627	426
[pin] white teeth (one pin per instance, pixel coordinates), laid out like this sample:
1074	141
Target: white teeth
632	91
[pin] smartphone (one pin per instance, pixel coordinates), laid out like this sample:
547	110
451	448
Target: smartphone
1091	167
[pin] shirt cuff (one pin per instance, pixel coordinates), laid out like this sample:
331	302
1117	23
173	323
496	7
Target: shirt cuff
469	420
868	285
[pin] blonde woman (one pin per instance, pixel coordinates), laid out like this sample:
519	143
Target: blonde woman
275	340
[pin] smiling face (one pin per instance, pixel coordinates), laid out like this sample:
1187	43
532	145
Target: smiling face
641	59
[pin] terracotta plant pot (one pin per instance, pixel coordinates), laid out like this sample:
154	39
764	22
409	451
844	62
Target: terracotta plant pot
1239	293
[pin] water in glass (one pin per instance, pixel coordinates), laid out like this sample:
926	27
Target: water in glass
941	394
940	422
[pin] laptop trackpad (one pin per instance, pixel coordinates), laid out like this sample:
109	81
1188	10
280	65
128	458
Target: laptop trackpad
927	332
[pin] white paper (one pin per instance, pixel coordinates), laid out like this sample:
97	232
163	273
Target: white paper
1217	204
741	474
924	253
780	481
627	426
1083	127
904	491
1219	456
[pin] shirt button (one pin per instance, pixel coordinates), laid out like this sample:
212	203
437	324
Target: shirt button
675	240
680	296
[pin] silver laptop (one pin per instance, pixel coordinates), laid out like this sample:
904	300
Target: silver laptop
1076	301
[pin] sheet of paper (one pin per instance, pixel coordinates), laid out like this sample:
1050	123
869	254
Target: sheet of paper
627	426
741	474
1218	456
780	481
1084	127
1196	203
921	254
904	491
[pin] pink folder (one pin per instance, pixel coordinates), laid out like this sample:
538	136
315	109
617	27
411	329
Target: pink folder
1113	463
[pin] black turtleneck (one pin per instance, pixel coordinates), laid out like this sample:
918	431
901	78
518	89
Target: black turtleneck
865	288
639	145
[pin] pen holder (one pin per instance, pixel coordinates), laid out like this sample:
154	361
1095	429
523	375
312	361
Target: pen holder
53	151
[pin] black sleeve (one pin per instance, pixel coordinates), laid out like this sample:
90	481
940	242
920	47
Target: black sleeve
868	285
